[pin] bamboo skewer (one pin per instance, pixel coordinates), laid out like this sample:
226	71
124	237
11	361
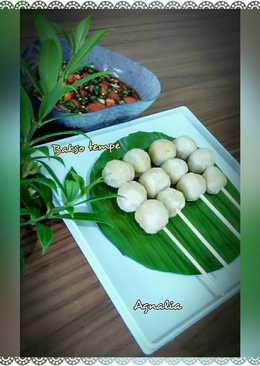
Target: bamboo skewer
220	216
231	199
203	240
185	251
212	284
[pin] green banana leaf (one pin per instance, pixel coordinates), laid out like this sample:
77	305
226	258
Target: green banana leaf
158	252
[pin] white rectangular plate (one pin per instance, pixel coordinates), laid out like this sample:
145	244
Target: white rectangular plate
126	281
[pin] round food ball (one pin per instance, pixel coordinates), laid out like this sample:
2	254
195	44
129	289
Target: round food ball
152	216
139	159
215	179
192	186
155	180
130	196
117	172
161	150
185	145
200	160
175	168
173	200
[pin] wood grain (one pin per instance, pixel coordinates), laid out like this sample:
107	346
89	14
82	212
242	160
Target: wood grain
64	309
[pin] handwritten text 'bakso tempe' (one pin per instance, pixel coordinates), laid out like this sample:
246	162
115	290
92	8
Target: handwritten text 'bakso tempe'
75	149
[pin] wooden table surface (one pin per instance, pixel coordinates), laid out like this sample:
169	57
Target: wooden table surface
64	309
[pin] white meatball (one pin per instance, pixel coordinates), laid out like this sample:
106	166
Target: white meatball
117	172
152	216
192	186
161	150
130	196
155	180
185	145
200	160
173	200
215	179
175	168
139	159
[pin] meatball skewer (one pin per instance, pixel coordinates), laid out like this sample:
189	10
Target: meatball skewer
193	186
174	201
152	216
216	181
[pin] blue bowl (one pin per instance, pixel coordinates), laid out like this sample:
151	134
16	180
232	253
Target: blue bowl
135	75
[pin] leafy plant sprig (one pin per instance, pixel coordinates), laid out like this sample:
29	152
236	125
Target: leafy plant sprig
37	190
52	82
74	191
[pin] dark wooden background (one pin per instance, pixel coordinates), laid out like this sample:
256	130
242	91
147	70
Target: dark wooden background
196	55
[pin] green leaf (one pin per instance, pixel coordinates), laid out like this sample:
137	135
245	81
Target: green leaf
81	32
158	251
88	78
69	132
50	99
84	50
94	183
67	35
29	167
28	151
26	114
38	189
29	200
44	234
25	152
34	209
71	190
59	117
24	211
50	62
26	70
96	199
45	29
33	205
101	198
38	158
53	175
85	216
70	39
73	175
70	210
46	194
40	180
43	149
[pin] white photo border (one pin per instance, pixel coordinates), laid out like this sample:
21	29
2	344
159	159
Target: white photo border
72	361
122	4
125	5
